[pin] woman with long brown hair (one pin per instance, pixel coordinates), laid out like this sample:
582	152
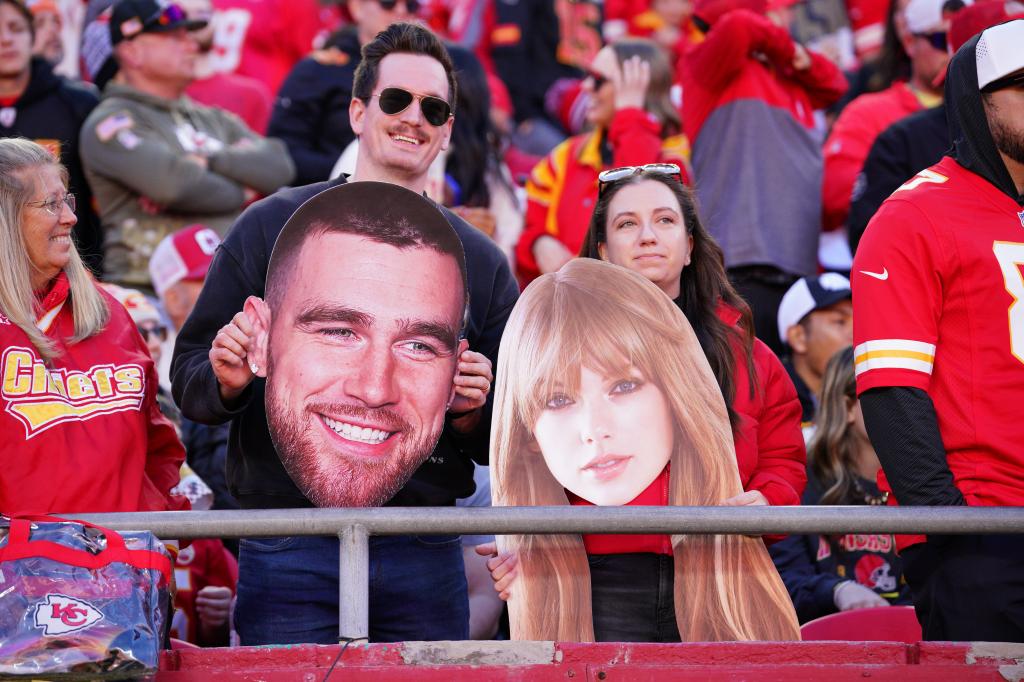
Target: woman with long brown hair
647	221
605	396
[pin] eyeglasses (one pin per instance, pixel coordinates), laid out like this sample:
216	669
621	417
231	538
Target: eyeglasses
53	205
615	174
1014	80
394	101
936	39
411	6
157	331
597	79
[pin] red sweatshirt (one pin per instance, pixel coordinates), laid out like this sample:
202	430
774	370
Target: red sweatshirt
83	433
850	141
756	153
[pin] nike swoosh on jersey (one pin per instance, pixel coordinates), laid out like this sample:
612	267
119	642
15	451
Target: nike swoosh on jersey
883	275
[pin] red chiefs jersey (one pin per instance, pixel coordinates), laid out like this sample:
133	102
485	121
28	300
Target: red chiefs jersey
938	297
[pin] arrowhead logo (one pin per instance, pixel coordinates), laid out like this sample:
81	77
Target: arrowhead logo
60	614
883	275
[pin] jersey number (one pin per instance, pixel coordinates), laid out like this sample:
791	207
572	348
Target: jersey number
924	176
1011	257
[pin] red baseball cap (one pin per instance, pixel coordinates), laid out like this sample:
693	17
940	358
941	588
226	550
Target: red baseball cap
974	19
183	256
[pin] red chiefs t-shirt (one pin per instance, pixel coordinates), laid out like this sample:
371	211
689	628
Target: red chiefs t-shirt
938	297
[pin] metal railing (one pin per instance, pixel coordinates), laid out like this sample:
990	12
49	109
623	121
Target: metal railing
355	526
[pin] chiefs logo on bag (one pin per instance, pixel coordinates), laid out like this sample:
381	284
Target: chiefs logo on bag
60	614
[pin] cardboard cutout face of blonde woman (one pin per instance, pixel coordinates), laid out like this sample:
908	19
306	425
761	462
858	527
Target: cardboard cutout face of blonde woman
604	395
359	339
609	439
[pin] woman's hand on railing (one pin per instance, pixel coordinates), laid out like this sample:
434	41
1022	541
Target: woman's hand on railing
751	498
503	567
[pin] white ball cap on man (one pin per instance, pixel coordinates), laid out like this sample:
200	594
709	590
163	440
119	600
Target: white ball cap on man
809	294
1000	52
184	255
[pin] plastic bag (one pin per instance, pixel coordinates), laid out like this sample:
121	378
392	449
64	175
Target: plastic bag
79	601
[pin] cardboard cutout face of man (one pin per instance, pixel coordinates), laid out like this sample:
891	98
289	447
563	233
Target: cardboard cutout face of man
359	340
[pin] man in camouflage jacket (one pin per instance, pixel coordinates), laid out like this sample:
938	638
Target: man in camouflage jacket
158	161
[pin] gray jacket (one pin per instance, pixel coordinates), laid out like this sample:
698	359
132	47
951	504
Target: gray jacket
139	152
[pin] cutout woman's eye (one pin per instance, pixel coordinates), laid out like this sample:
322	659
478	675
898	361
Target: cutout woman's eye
558	401
627	386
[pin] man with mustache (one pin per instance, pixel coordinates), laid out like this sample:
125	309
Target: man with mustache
288	587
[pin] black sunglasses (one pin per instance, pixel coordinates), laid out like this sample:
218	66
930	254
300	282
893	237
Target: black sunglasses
1014	80
936	40
597	79
396	100
411	6
159	331
615	174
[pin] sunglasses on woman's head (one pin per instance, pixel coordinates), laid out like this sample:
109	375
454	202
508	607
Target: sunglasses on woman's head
615	174
394	101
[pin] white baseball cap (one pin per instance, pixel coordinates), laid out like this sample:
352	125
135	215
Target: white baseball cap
809	294
923	16
1000	52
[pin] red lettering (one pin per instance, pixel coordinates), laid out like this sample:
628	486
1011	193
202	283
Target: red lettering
69	614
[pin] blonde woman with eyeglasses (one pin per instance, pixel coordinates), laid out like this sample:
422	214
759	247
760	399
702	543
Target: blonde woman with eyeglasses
81	428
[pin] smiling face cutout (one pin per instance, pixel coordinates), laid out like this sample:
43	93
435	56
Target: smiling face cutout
360	340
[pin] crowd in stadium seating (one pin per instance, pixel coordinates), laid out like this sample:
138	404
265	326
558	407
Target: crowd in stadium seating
732	152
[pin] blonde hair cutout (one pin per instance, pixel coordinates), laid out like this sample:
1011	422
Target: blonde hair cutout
19	160
596	314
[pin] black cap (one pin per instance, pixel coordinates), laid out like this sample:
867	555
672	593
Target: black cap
133	17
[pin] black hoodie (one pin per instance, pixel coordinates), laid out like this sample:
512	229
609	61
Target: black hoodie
901	420
973	147
51	111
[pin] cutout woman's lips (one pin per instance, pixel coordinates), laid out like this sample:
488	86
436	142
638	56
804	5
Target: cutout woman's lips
606	467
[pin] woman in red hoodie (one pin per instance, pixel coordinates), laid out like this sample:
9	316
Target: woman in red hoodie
646	221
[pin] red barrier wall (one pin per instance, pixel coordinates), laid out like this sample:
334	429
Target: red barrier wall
528	661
